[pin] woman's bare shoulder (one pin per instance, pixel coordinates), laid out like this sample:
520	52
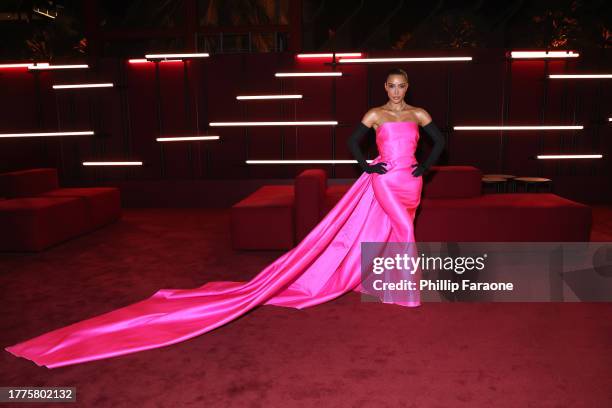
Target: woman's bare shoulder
424	118
371	117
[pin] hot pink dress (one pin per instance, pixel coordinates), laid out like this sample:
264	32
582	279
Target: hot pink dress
325	265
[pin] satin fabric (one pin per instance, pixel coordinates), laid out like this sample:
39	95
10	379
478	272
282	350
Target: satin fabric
323	266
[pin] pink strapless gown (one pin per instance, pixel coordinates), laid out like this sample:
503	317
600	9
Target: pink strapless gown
325	265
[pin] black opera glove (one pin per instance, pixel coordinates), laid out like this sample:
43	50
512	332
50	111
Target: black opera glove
353	144
438	139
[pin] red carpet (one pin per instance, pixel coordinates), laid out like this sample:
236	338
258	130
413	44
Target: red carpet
343	353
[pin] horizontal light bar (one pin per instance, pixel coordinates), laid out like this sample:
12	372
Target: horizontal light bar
45	134
186	138
330	55
303	161
252	97
76	86
47	66
543	54
113	163
295	123
138	60
569	156
173	56
19	65
580	76
577	127
411	59
308	74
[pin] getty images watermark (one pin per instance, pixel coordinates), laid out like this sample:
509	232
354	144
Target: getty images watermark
409	273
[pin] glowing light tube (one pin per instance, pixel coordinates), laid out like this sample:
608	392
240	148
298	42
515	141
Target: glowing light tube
409	59
77	86
569	156
138	60
48	134
113	163
543	54
186	138
253	97
330	55
303	161
174	56
308	74
580	76
50	67
294	123
17	65
576	127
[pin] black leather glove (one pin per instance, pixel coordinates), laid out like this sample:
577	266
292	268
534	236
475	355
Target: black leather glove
438	139
353	144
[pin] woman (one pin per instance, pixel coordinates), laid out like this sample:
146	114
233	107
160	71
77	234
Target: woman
379	207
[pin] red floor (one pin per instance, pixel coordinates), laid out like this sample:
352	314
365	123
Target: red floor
343	353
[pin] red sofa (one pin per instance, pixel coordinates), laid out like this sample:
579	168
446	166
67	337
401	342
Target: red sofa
36	213
452	208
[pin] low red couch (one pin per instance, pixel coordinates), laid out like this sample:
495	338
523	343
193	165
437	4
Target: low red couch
452	208
36	213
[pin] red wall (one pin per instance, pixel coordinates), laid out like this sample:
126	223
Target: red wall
488	90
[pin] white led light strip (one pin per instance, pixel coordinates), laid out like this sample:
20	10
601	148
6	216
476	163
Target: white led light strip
253	97
330	55
577	127
113	163
188	55
543	54
569	156
50	67
186	138
410	59
580	76
308	74
17	65
303	161
48	134
297	123
77	86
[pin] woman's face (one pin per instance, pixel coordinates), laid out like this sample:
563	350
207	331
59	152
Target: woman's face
396	87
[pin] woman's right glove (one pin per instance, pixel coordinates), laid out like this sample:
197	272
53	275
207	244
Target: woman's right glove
353	144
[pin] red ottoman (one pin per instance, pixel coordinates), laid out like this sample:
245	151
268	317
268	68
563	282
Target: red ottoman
103	203
504	217
28	183
264	220
33	224
452	182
